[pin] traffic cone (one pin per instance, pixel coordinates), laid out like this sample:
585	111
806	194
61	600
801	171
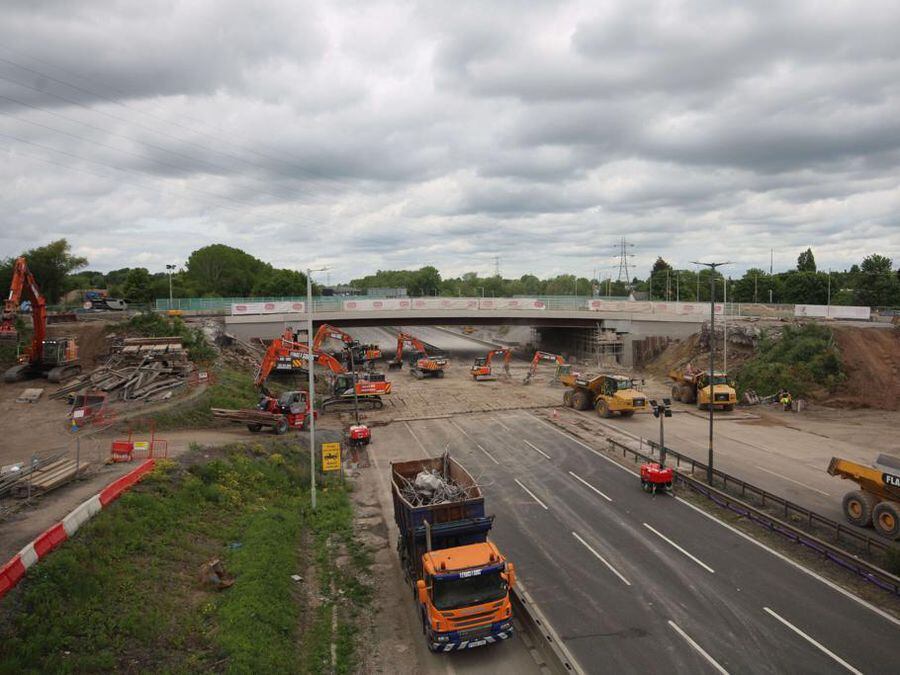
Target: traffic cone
555	414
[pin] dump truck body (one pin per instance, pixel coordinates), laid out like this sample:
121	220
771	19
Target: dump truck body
877	501
462	583
608	394
692	386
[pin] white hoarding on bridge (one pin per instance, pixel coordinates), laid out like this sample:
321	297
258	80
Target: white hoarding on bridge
511	303
833	312
632	307
280	307
445	303
386	304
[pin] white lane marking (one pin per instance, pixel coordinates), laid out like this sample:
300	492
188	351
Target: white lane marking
797	482
583	481
813	642
413	433
602	559
586	447
497	420
843	591
533	446
462	431
695	559
698	648
533	496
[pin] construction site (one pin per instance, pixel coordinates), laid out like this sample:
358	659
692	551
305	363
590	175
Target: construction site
512	479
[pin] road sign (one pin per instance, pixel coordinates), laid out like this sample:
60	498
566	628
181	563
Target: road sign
331	456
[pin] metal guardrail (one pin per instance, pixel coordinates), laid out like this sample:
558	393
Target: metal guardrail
868	571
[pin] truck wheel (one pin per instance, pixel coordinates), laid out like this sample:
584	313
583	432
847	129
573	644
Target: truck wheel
702	406
627	413
567	398
676	392
886	519
603	409
440	373
858	507
254	427
281	427
728	408
688	394
580	400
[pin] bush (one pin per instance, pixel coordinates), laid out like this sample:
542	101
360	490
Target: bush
804	359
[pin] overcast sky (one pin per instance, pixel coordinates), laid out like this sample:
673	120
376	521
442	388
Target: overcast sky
367	135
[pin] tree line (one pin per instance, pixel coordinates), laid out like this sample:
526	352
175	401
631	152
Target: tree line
224	271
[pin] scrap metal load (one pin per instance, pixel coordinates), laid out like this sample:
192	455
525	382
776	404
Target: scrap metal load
140	369
461	581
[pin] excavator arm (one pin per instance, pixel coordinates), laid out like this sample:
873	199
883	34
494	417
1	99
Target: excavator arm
24	284
542	356
327	331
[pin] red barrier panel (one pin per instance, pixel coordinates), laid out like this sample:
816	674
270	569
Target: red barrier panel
49	540
112	491
10	574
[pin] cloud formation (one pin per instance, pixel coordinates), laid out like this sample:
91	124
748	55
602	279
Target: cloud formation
369	135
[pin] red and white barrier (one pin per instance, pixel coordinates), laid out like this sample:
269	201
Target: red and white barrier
13	571
280	307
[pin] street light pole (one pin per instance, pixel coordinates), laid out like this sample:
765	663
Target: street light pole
712	357
169	269
312	385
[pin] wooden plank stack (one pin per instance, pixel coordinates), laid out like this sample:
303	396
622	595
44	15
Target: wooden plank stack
248	416
50	477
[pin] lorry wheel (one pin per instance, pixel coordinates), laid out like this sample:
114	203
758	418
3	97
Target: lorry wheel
627	413
580	400
567	398
281	427
688	395
886	519
728	408
702	406
440	373
858	507
676	392
254	427
603	409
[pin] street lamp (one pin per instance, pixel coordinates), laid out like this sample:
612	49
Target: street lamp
312	384
170	269
662	411
712	355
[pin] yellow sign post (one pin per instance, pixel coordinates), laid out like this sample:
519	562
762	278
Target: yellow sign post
331	456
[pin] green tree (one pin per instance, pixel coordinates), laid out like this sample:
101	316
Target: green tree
876	284
138	285
49	264
806	262
807	288
754	286
662	280
223	270
426	281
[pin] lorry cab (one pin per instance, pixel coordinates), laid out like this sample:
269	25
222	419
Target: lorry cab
464	597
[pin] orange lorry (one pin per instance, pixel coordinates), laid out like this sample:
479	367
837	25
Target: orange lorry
461	581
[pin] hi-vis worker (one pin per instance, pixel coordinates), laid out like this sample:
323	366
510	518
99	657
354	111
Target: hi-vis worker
785	399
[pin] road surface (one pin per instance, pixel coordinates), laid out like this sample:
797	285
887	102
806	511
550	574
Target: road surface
636	583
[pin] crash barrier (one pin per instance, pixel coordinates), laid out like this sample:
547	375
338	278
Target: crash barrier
872	573
13	571
547	642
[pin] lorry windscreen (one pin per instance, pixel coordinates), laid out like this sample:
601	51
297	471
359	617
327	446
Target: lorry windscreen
462	592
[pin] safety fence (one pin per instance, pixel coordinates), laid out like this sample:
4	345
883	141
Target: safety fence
842	533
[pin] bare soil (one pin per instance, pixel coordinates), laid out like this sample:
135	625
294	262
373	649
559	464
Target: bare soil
872	362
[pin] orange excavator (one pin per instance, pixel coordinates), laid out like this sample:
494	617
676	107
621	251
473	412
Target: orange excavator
361	352
420	363
536	360
481	369
288	356
57	358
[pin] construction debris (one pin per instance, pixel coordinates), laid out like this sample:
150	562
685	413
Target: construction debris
214	574
139	369
29	396
432	487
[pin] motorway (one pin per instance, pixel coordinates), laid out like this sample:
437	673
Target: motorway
637	583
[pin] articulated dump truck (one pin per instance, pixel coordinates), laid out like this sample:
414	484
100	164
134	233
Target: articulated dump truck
461	582
693	387
877	501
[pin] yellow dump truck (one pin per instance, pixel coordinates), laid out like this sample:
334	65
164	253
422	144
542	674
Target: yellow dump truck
877	501
607	394
692	386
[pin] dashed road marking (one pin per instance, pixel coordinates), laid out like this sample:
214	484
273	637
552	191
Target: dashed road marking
533	496
534	447
692	557
813	642
584	482
463	432
698	648
602	559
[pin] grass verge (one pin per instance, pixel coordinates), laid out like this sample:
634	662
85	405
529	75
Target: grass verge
125	593
231	389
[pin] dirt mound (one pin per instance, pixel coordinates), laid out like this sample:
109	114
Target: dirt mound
871	359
